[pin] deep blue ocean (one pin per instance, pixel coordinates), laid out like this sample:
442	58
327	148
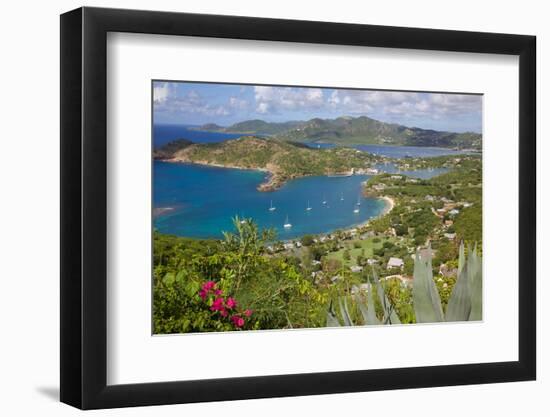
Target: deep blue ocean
200	201
162	134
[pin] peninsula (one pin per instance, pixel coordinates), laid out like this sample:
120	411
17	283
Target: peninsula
281	159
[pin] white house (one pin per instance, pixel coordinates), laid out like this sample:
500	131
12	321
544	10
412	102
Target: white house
395	263
356	268
336	278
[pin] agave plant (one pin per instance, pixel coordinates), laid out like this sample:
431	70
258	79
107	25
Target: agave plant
367	309
465	303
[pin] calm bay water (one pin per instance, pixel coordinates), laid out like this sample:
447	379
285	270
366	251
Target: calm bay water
203	200
200	201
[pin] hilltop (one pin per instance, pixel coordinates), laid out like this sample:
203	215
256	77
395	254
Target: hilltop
282	159
353	130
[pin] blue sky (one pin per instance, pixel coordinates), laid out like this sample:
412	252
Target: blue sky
225	104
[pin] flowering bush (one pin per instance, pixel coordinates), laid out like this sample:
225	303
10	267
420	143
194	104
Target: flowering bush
224	307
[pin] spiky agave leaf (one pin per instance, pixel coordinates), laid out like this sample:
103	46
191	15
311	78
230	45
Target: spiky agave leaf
427	303
460	304
345	313
390	316
461	259
332	320
369	312
475	279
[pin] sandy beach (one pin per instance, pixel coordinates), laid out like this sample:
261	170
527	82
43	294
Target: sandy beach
390	204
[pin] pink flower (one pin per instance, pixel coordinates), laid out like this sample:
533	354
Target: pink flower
202	294
218	292
247	312
208	285
217	305
231	303
224	312
237	321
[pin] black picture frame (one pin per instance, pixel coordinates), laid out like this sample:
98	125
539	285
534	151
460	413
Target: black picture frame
84	207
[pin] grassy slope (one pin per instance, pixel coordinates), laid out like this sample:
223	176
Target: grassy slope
368	245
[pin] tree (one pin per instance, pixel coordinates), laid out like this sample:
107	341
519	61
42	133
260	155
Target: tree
307	240
346	255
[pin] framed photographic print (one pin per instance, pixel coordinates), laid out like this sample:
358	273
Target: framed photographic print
257	208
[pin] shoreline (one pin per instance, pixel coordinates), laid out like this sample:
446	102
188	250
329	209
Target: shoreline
390	204
272	181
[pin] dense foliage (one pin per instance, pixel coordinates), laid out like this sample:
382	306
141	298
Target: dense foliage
270	288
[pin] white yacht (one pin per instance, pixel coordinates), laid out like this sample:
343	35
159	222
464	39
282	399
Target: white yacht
287	224
271	208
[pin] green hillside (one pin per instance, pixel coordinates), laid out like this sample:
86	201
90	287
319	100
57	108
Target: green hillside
284	160
353	130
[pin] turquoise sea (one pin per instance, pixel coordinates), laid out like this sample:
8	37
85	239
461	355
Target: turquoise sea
201	201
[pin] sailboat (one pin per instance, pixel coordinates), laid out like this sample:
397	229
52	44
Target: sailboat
287	225
342	197
271	208
308	206
356	209
324	200
359	200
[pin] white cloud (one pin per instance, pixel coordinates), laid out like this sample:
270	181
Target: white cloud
395	104
238	103
166	100
262	108
161	92
334	98
275	99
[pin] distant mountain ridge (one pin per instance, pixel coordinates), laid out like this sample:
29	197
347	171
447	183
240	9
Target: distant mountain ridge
352	131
